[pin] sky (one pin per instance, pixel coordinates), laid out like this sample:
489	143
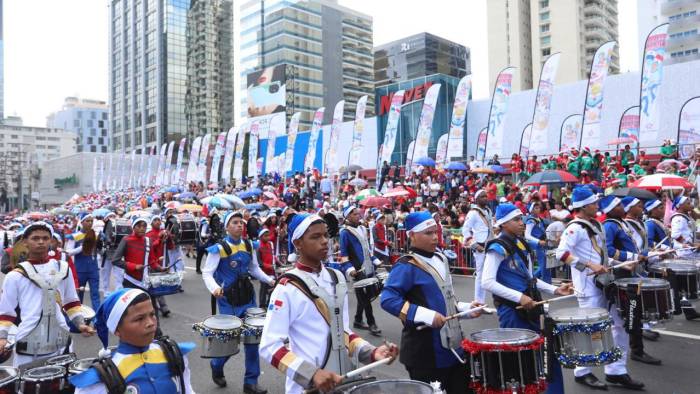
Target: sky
55	49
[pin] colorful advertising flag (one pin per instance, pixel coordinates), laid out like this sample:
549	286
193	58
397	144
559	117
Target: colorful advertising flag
593	108
202	162
108	180
276	128
194	158
497	116
132	164
409	158
628	132
525	141
161	163
455	145
216	161
570	132
537	140
142	168
481	144
238	159
178	176
228	153
358	129
253	150
122	172
425	126
331	161
94	173
313	138
652	75
292	131
167	168
101	183
689	128
392	127
441	153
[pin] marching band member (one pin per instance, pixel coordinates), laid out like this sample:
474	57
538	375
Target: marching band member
477	230
536	234
173	255
682	225
141	364
266	257
34	286
226	275
419	292
107	270
381	245
159	243
358	263
81	245
508	276
318	354
583	247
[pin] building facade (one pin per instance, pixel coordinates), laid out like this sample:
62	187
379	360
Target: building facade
2	64
683	17
419	55
325	48
23	149
87	119
525	33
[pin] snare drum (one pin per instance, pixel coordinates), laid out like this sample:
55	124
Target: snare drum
9	380
221	335
252	330
370	287
255	312
403	386
552	260
506	359
88	313
122	228
49	379
583	337
64	361
80	366
654	295
164	283
382	276
686	276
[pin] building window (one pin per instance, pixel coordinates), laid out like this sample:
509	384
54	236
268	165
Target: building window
104	149
76	122
544	16
93	148
545	40
546	51
80	114
544	3
544	28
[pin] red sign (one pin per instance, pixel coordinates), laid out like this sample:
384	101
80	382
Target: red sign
412	94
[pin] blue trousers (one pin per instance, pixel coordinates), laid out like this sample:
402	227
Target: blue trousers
542	272
508	318
252	355
93	278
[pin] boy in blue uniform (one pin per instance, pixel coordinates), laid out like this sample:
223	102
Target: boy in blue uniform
139	364
226	274
508	275
536	234
419	292
82	246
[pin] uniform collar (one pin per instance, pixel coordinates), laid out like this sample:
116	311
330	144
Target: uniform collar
306	268
232	241
39	262
421	252
126	348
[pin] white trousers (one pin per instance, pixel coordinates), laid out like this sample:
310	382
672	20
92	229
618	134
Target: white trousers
479	292
109	273
620	336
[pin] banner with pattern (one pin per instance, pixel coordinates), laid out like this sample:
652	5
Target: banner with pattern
570	134
358	129
455	143
228	153
238	154
292	131
593	109
194	158
425	126
313	139
392	127
652	75
497	117
537	140
331	161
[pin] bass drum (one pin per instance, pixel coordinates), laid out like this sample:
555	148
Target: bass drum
122	228
187	230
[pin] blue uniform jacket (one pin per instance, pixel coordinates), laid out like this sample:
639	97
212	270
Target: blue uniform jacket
655	234
350	247
83	262
228	270
620	245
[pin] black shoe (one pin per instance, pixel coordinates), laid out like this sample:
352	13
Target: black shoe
199	272
625	381
360	325
218	379
165	313
374	330
690	313
591	381
645	358
651	335
253	389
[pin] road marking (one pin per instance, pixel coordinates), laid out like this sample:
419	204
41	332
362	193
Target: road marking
678	334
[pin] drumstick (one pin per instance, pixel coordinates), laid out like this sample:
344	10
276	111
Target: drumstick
562	298
454	316
355	372
626	263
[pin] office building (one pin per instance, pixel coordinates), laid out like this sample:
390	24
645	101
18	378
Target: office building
87	119
683	17
525	33
417	56
317	52
2	65
157	94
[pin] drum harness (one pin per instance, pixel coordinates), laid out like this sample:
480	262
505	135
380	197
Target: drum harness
241	291
116	384
368	267
47	336
485	215
330	307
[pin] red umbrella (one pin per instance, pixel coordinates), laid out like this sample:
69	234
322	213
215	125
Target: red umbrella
275	204
658	182
375	201
549	177
401	191
37	215
270	195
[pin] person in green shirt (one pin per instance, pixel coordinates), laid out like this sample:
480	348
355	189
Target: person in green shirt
638	170
574	167
626	157
587	162
668	150
501	188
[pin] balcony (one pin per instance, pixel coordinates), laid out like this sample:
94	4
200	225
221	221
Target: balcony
670	7
684	23
693	41
681	59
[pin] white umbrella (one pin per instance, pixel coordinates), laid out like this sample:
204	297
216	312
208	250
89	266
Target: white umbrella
233	200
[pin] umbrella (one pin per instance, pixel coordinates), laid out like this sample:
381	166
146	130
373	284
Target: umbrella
664	165
375	201
131	214
456	166
217	202
246	194
350	168
186	196
255	190
275	203
425	162
172	204
362	194
550	177
60	211
500	169
190	208
658	182
482	170
634	192
233	200
401	191
255	207
270	195
622	141
101	212
172	189
358	182
37	215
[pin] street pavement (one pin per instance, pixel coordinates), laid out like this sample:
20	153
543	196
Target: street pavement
678	348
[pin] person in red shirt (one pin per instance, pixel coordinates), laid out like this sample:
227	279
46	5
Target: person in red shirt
266	258
533	165
271	225
159	238
491	195
381	245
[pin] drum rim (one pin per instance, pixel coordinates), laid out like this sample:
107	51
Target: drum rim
366	281
245	322
509	342
685	268
377	381
255	310
51	361
75	363
60	371
647	283
603	314
236	319
11	376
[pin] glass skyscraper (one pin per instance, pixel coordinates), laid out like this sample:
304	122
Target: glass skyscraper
150	84
326	48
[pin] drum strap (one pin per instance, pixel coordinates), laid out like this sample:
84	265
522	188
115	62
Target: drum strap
639	228
486	217
110	376
691	224
176	361
593	229
366	259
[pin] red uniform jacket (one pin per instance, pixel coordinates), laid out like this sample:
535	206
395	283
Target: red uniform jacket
157	243
134	255
380	242
267	257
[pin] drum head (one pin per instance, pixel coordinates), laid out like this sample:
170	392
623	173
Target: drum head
222	322
254	311
646	283
255	321
365	282
81	365
8	374
88	313
39	374
578	315
504	336
684	267
65	359
449	254
403	386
